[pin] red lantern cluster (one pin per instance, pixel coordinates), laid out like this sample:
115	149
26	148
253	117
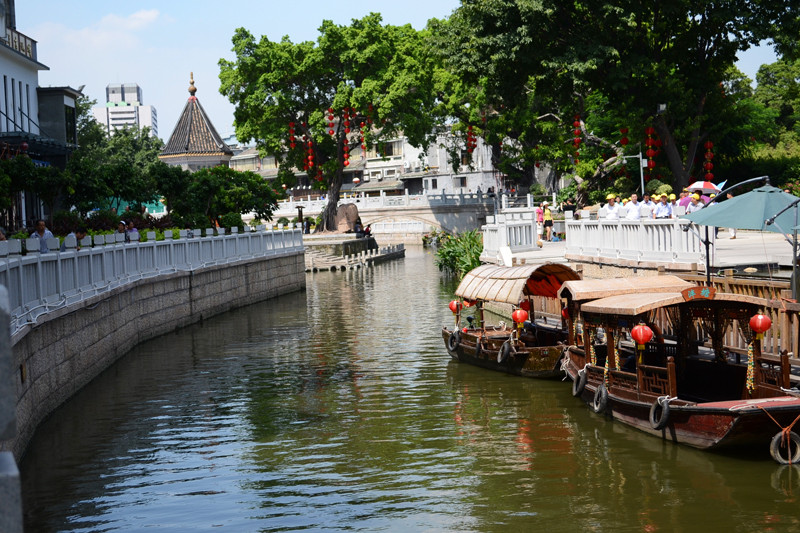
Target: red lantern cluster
519	316
624	140
472	140
292	143
455	306
576	141
641	334
760	324
650	143
309	158
708	165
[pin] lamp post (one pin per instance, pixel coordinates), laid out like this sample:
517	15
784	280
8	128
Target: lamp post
642	163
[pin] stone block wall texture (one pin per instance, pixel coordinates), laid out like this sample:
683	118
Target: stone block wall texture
69	347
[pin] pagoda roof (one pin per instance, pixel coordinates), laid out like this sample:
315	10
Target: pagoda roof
194	134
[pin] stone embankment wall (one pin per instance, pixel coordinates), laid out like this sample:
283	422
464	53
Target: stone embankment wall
68	347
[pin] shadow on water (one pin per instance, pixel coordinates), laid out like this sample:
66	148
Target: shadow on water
338	409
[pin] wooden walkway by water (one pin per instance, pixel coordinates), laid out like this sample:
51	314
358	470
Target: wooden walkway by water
317	261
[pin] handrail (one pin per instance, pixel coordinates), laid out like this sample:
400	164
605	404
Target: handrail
40	283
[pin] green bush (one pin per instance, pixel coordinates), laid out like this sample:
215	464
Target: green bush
232	220
283	220
460	254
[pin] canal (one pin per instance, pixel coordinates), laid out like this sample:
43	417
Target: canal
339	409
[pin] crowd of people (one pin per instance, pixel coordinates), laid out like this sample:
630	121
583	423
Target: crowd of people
659	206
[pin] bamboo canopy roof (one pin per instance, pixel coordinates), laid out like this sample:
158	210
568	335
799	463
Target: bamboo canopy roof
513	284
636	304
592	289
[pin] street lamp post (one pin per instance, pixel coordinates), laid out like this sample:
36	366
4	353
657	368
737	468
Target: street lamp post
642	163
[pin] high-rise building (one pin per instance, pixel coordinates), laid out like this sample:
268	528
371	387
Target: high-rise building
124	107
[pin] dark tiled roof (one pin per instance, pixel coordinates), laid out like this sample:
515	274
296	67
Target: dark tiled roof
194	134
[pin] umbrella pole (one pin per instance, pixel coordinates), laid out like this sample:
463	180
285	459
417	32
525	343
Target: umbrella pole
794	256
707	242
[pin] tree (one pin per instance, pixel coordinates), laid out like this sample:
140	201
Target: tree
220	190
313	104
171	182
609	65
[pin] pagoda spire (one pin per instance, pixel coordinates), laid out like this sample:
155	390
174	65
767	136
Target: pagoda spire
192	88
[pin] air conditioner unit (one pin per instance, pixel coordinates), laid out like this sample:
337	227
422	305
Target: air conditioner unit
416	166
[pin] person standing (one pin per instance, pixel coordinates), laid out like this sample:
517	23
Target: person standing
663	210
695	204
540	219
612	207
731	231
42	233
547	217
634	208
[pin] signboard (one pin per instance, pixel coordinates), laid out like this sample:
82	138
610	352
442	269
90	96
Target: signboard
698	293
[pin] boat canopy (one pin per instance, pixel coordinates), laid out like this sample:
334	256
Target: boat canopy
638	303
592	289
512	284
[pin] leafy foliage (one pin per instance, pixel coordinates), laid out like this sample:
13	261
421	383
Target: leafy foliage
308	103
459	254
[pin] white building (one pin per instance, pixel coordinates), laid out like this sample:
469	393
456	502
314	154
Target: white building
124	107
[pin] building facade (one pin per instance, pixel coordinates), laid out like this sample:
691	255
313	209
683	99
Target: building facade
124	107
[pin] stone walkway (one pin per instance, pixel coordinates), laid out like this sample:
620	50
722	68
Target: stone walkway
749	247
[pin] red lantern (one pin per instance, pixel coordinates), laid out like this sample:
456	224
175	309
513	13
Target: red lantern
651	163
623	130
650	130
623	141
455	305
650	153
346	163
709	176
642	335
356	180
708	165
565	313
760	324
577	123
708	145
519	316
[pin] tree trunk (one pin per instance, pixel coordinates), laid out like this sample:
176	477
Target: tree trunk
329	214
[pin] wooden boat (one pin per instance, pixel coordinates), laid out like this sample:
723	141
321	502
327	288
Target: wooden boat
679	389
532	350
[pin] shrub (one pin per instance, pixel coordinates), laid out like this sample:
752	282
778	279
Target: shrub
460	254
66	221
232	220
283	220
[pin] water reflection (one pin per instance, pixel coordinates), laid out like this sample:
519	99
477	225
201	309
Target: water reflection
337	408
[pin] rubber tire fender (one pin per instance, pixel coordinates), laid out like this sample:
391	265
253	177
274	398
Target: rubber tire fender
504	352
659	421
454	341
478	348
775	448
579	383
600	401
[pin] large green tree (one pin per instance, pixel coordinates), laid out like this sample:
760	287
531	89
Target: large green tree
612	64
312	104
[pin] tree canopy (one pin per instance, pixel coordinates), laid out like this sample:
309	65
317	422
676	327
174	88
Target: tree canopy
313	104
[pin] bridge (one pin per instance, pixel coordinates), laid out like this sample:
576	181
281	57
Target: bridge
406	218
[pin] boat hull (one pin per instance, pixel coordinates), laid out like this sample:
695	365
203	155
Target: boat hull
708	425
540	362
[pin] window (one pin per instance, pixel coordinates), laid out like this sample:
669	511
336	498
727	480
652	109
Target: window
386	149
71	134
429	184
466	158
459	181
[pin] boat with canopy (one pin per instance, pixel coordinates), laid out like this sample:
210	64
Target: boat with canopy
533	345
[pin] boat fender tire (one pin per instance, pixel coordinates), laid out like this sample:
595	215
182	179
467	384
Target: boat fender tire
600	401
659	414
776	448
454	341
478	349
504	352
579	383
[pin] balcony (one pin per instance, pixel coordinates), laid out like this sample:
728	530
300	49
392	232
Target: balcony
21	43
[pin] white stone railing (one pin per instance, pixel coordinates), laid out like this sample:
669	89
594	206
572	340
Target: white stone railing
652	241
40	283
513	230
288	208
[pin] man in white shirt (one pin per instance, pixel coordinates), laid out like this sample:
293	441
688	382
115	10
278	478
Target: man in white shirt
634	208
695	204
612	207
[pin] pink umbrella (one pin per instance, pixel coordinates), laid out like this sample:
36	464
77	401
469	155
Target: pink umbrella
703	187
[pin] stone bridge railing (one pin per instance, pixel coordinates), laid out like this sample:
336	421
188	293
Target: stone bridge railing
635	242
40	283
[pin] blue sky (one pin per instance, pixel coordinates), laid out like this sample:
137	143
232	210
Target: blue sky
157	44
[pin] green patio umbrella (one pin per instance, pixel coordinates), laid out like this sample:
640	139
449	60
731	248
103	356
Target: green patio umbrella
753	210
750	211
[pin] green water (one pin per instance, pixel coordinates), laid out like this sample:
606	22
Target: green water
339	409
